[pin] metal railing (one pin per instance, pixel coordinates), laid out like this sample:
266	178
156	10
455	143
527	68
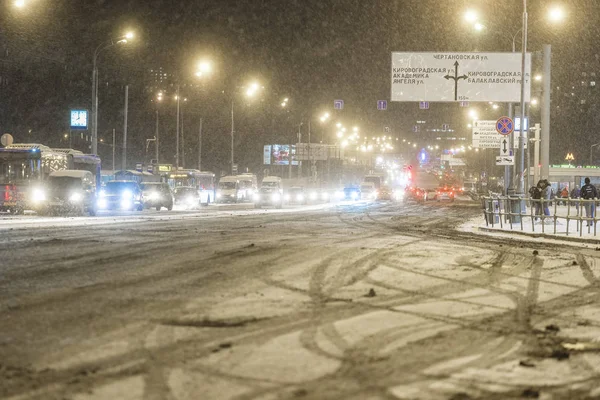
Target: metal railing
562	215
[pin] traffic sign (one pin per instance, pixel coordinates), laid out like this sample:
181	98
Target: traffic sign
459	76
505	160
505	126
415	129
464	104
445	127
424	105
6	139
382	105
139	167
485	135
338	104
386	129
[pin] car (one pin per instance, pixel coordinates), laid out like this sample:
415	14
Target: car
318	196
67	192
349	193
121	195
295	195
385	193
186	196
157	195
368	191
268	196
444	193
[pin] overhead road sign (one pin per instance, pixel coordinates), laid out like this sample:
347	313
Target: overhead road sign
424	105
505	160
463	77
338	104
382	105
505	126
485	136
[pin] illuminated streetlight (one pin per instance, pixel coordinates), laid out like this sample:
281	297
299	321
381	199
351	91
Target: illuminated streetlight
538	77
471	16
534	102
103	46
251	91
19	3
478	26
556	14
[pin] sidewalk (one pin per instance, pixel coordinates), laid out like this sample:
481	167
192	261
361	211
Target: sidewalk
556	226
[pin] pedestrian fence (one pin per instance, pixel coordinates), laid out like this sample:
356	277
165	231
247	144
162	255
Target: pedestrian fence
558	216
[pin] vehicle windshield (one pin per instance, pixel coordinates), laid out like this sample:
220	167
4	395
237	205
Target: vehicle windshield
116	187
150	186
15	172
184	191
64	182
270	184
226	185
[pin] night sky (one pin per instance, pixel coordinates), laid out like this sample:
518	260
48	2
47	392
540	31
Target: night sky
312	51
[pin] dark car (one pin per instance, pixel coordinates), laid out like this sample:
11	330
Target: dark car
444	193
268	196
121	195
349	193
69	191
295	195
186	196
157	195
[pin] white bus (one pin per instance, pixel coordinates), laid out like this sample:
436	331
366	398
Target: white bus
202	181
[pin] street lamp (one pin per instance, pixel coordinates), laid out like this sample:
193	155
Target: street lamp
251	91
103	46
19	3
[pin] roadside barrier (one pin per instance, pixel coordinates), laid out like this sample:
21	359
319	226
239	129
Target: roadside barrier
559	215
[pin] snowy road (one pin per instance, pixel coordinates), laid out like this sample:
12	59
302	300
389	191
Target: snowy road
349	301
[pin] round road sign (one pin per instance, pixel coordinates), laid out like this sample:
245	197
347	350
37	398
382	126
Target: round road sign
505	126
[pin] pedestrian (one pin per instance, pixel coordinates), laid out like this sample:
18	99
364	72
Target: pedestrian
575	194
536	195
564	194
546	195
588	192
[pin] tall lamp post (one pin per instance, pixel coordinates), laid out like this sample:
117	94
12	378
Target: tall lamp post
251	91
103	46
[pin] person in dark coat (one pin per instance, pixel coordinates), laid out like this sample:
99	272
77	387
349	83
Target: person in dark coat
588	192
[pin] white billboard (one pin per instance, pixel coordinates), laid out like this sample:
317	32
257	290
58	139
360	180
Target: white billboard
447	77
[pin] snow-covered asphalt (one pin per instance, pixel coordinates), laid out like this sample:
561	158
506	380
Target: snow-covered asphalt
333	301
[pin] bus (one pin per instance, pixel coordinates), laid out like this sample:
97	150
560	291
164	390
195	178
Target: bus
138	176
202	181
23	168
77	160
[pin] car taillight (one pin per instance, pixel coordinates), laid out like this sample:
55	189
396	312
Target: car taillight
6	193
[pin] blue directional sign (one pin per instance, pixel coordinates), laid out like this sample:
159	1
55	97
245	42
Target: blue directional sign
424	105
382	105
505	126
338	104
386	129
415	128
445	127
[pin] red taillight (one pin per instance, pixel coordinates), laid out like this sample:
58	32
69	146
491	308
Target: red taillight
6	193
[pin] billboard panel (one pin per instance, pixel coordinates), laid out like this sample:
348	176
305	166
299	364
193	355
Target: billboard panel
279	154
447	77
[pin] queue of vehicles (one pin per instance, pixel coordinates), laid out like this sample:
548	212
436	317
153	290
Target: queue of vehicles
66	181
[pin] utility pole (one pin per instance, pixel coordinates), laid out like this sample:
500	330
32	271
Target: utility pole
545	136
113	150
182	143
156	136
177	133
200	146
125	128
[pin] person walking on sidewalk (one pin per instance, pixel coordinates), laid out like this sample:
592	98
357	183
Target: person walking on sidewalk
588	192
536	194
575	194
546	195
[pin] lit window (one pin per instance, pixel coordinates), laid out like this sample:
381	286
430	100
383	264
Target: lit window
593	83
583	101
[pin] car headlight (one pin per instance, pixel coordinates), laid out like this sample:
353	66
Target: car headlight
300	198
275	197
325	196
256	197
75	197
286	197
126	204
102	193
219	195
354	195
38	195
339	195
190	200
102	203
153	196
126	194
